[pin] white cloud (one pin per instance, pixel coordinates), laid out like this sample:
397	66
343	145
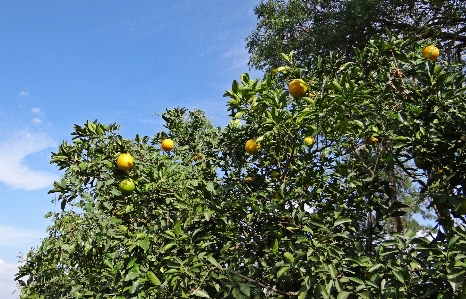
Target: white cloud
16	173
237	58
424	234
36	120
7	283
16	237
35	110
24	93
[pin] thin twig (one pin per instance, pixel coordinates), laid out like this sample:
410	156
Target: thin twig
202	281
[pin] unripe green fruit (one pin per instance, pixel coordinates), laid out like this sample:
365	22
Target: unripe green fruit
127	186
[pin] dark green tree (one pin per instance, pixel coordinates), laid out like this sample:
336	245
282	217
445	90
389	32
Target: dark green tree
313	27
221	226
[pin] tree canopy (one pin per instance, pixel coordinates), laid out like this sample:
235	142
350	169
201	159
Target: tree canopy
311	27
298	219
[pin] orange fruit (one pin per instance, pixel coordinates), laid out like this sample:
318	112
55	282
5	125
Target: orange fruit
127	186
195	158
125	162
431	53
248	180
252	147
297	88
372	140
308	140
167	145
274	174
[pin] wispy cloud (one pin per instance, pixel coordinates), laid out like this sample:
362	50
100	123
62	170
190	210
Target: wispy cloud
24	93
11	236
35	110
36	121
7	283
17	174
237	57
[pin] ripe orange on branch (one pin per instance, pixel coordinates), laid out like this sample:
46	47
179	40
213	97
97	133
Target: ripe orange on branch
167	145
372	140
297	88
252	147
431	53
125	162
309	140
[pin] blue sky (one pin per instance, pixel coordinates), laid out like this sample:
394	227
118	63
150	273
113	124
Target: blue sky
65	62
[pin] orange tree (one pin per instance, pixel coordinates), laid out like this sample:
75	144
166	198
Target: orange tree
294	219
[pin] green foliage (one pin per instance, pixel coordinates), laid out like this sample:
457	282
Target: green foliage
222	227
315	27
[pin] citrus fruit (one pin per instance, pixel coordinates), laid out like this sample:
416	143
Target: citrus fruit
248	180
127	186
167	145
252	147
198	156
431	53
297	88
372	140
274	174
125	162
308	140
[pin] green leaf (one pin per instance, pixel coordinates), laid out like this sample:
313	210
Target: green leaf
144	244
237	294
245	289
402	117
212	260
358	123
343	295
235	86
153	279
210	187
288	257
282	271
365	295
170	233
333	271
398	275
341	221
285	57
302	292
131	275
336	86
168	247
357	280
201	293
275	246
177	228
207	215
280	69
375	267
